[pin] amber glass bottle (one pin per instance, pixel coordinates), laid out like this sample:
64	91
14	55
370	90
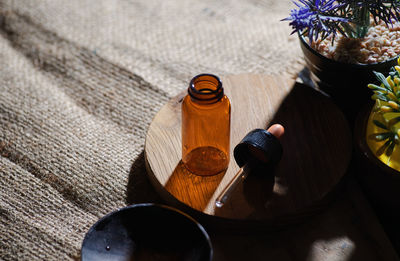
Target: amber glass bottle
205	126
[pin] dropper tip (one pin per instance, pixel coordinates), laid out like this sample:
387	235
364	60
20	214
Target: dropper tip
219	204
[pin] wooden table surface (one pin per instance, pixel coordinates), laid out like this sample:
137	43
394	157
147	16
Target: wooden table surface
347	230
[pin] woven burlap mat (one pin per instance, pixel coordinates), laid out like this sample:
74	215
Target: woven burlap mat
80	82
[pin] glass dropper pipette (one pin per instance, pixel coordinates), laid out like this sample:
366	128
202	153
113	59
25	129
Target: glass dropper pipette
258	147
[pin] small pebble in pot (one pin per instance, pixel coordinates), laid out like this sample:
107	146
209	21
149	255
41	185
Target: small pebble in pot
381	43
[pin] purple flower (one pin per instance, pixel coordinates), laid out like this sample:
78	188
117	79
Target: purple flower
315	17
301	18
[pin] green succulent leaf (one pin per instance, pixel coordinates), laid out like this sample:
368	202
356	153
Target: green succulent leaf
379	92
383	80
380	124
382	149
389	150
382	97
394	121
381	136
393	72
376	87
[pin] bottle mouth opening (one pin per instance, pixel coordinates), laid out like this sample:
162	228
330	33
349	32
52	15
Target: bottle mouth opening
206	87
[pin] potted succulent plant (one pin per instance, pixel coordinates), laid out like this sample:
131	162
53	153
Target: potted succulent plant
383	126
377	135
343	41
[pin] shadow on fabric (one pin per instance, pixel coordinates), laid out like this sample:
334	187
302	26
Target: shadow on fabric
139	188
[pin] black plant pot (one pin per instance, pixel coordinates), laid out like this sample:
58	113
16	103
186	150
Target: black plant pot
380	183
345	83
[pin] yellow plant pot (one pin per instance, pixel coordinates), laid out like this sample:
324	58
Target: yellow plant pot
392	160
380	181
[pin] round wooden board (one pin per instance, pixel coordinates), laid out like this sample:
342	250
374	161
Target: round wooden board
316	144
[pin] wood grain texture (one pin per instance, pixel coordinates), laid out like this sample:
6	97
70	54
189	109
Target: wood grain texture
317	150
347	230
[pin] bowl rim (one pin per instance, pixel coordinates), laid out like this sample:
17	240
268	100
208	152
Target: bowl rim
339	63
153	205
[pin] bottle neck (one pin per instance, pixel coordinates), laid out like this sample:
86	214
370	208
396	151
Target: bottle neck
206	89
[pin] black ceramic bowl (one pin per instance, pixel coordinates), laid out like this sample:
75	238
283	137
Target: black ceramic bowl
147	232
346	83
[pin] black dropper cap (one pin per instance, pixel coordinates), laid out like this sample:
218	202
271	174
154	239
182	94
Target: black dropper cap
258	147
258	153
